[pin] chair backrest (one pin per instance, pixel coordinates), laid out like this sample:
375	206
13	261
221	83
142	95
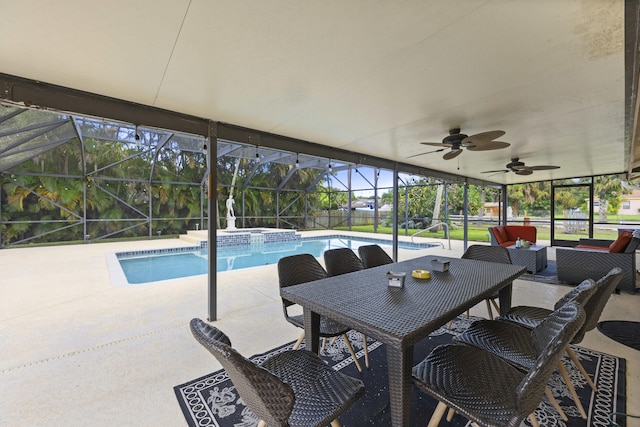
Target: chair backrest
265	394
341	261
488	253
558	329
297	269
604	288
373	256
579	294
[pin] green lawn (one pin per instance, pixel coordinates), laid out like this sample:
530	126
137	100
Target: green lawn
480	234
475	234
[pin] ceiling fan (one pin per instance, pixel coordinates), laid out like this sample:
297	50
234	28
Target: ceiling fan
519	168
456	141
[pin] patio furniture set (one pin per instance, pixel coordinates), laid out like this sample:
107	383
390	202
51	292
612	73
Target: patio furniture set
353	293
590	258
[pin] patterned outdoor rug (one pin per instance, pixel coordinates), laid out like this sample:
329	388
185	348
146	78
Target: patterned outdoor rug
548	275
212	400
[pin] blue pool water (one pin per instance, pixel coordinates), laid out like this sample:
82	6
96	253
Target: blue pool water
162	265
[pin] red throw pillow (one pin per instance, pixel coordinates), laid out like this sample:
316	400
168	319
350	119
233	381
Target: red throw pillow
621	243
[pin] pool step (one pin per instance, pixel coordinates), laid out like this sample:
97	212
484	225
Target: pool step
195	236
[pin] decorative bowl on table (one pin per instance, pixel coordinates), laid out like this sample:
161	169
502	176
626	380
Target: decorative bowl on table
525	243
421	274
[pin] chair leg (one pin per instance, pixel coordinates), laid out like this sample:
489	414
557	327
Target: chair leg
495	305
262	424
437	415
297	344
576	362
366	350
555	404
450	413
571	389
533	420
353	353
489	309
336	423
333	340
324	343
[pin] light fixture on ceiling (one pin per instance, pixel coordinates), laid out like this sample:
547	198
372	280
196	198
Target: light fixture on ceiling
297	162
330	168
205	151
257	155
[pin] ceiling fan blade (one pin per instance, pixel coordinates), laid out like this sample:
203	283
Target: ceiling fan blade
543	167
437	144
497	171
479	138
428	152
526	171
452	154
486	146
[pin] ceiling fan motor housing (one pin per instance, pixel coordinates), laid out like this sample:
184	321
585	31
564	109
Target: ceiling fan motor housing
454	138
515	165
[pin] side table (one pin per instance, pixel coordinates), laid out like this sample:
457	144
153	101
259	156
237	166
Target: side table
534	258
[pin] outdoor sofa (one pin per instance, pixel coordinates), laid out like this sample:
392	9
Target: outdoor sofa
594	258
506	235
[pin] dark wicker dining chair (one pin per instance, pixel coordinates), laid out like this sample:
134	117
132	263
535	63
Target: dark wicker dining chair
487	389
342	261
521	345
593	305
293	388
373	256
490	254
303	268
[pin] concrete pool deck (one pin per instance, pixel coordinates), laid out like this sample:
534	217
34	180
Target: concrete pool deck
77	350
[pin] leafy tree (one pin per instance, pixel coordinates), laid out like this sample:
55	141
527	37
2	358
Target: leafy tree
608	190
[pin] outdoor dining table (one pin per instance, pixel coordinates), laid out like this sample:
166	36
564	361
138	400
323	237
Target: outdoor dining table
400	317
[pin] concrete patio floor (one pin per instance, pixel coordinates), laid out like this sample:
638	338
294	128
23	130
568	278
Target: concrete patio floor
77	350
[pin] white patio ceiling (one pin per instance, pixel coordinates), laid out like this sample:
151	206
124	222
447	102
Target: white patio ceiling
374	77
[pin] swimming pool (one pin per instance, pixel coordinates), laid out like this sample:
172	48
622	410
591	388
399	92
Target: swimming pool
165	264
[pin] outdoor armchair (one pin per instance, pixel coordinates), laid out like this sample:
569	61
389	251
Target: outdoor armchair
342	261
591	296
490	254
507	235
293	388
522	346
303	268
373	256
487	389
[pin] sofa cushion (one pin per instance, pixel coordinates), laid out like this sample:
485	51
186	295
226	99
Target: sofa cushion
501	234
621	242
593	248
525	232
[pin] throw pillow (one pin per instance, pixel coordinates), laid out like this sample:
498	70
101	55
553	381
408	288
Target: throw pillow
621	243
